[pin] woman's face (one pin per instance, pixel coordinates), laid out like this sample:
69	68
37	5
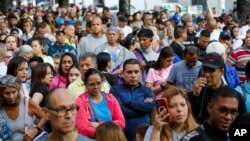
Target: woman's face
36	47
94	84
236	31
66	63
10	95
22	72
48	77
166	62
178	109
74	74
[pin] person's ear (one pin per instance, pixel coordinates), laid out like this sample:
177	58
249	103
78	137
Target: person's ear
209	107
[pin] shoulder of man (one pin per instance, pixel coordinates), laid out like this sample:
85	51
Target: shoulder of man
192	136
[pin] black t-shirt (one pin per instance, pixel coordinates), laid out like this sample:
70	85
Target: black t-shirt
40	88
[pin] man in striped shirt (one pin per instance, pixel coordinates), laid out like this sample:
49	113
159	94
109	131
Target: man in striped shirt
240	57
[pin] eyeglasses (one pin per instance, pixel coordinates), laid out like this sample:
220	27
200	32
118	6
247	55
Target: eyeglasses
225	112
99	83
64	111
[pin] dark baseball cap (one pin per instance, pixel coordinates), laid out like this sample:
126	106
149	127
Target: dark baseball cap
225	35
200	18
213	60
59	31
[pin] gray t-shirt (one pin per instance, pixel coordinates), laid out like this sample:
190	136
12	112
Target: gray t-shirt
79	138
182	76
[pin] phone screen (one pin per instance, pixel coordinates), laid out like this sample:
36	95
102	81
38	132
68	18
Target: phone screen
161	104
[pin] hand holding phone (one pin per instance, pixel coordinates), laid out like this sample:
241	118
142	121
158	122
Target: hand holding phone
162	105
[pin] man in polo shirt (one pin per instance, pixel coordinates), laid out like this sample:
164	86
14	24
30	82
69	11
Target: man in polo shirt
86	61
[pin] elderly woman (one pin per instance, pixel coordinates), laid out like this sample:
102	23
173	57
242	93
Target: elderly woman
25	51
20	112
95	106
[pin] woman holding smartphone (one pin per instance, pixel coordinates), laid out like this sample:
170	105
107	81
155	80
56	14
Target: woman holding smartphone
182	120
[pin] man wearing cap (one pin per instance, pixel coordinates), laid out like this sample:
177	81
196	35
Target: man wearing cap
117	52
225	39
201	21
60	46
92	40
212	71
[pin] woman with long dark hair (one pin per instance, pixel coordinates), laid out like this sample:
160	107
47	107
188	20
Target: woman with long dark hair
60	80
156	78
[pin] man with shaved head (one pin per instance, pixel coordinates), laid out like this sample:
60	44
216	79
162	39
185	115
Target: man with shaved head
211	26
61	111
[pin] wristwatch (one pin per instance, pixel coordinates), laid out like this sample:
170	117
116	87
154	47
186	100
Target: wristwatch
38	128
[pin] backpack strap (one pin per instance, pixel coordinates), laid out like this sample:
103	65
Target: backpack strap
201	131
26	110
244	92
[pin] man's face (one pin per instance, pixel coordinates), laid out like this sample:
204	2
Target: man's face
213	76
145	42
11	43
247	40
112	37
60	38
86	64
203	41
78	29
41	32
223	112
191	59
70	30
189	27
132	74
12	22
61	101
56	63
96	26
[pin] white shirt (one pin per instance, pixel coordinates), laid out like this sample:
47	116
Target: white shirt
126	29
243	31
3	69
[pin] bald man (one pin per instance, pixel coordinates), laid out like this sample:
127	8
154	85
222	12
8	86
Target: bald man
61	111
211	25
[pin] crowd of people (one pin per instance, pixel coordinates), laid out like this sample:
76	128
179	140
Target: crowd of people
76	74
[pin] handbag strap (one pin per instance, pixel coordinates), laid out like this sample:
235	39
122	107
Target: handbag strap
26	110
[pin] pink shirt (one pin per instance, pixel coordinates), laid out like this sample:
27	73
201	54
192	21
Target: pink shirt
156	77
58	82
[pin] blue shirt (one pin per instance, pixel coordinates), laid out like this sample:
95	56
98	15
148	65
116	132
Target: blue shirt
100	111
247	88
61	49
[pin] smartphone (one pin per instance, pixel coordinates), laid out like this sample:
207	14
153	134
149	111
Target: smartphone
161	104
